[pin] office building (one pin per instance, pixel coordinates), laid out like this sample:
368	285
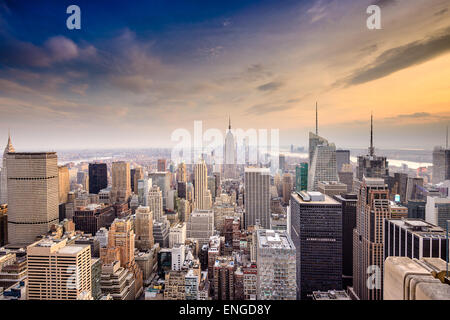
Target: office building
98	177
441	165
175	285
32	195
121	181
182	172
161	229
4	172
223	278
276	266
177	234
136	174
287	186
117	281
437	211
230	157
200	226
92	217
201	186
3	224
316	232
323	164
257	197
348	202
342	157
346	176
331	188
162	180
144	228
70	277
155	203
413	238
161	165
63	183
371	165
371	210
301	177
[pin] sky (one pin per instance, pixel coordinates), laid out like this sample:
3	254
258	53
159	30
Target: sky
138	70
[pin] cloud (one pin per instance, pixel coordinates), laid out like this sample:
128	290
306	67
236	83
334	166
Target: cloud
61	48
261	109
441	12
399	58
270	86
416	115
384	3
317	11
136	84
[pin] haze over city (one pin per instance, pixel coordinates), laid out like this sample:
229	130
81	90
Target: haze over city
135	72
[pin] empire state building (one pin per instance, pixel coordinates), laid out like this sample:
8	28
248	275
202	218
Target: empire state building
229	167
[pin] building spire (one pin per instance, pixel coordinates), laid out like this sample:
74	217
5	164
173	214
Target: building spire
317	121
371	148
446	139
9	147
229	122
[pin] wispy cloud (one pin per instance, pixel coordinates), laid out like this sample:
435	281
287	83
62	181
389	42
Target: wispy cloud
270	86
400	58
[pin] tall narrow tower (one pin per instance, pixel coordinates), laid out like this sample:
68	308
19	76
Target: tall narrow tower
3	176
371	148
317	121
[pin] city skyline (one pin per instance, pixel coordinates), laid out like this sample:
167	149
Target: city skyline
130	77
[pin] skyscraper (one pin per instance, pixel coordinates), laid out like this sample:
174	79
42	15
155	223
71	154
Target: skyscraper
437	211
162	180
372	208
257	197
316	231
3	174
155	203
136	174
301	177
98	177
121	181
276	275
342	157
348	202
323	165
441	164
67	274
229	167
414	238
181	173
287	187
161	165
63	183
370	165
32	195
201	186
144	228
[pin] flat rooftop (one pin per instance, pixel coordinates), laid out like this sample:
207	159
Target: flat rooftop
312	196
260	170
420	227
274	239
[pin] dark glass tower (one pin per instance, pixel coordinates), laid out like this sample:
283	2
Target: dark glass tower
316	230
98	177
348	202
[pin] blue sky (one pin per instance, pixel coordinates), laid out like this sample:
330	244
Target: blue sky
138	70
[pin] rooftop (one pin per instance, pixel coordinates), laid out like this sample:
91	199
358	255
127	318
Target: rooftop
313	197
